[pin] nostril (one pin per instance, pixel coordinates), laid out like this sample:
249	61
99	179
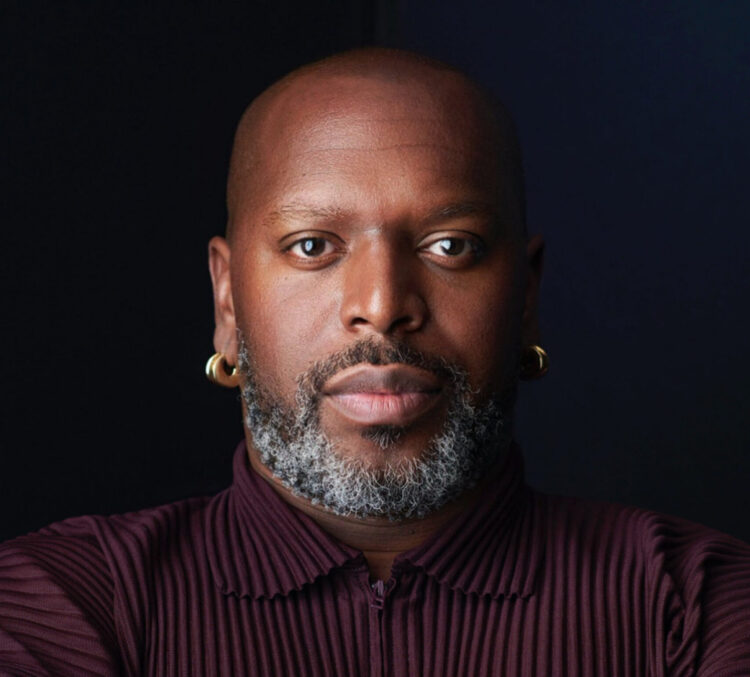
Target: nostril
383	304
405	323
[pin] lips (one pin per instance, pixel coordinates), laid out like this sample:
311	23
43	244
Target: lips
395	394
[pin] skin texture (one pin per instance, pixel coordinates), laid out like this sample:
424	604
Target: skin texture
395	170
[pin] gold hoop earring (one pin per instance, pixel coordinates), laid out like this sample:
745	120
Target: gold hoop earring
217	371
534	363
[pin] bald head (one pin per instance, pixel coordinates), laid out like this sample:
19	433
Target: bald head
368	85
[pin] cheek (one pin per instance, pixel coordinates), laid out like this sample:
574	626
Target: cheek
482	322
285	322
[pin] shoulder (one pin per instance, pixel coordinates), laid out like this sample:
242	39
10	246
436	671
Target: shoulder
695	580
657	540
56	612
60	587
92	542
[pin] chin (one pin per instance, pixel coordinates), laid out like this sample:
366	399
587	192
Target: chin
383	447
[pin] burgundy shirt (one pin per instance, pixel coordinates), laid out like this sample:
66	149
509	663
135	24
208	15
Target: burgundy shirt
244	584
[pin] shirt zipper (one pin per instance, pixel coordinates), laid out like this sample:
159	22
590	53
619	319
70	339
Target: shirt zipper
380	591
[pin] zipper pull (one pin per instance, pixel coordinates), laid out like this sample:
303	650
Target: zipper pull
378	600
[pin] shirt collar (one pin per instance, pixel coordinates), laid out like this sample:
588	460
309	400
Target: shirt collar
259	546
494	548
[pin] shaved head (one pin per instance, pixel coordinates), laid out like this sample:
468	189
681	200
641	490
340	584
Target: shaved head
375	82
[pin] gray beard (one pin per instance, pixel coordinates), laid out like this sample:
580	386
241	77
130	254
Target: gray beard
293	447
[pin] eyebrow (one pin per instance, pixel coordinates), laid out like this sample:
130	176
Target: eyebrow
458	210
301	212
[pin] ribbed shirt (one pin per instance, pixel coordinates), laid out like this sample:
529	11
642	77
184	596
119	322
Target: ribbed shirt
243	584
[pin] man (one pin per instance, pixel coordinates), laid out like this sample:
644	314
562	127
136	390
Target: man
376	304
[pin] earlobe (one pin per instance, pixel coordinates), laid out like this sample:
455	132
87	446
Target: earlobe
225	334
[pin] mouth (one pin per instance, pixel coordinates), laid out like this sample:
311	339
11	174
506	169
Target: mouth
394	394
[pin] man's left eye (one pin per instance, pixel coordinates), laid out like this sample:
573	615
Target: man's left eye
451	246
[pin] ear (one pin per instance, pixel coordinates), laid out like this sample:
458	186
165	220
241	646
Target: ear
225	334
535	263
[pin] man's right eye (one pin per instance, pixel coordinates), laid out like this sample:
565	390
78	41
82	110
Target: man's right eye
311	247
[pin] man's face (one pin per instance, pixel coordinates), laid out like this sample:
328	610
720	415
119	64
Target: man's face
374	213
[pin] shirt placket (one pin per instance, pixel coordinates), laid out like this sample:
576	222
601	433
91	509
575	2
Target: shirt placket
379	592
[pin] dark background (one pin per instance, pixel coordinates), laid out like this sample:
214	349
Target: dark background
117	120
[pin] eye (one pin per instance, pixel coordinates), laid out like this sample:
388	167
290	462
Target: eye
454	251
451	246
311	247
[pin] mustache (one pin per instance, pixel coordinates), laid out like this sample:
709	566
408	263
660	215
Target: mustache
377	352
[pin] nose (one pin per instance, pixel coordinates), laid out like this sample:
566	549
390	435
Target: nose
381	291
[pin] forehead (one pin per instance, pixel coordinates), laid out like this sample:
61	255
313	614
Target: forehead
365	140
427	104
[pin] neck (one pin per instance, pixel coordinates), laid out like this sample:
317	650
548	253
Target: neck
379	539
